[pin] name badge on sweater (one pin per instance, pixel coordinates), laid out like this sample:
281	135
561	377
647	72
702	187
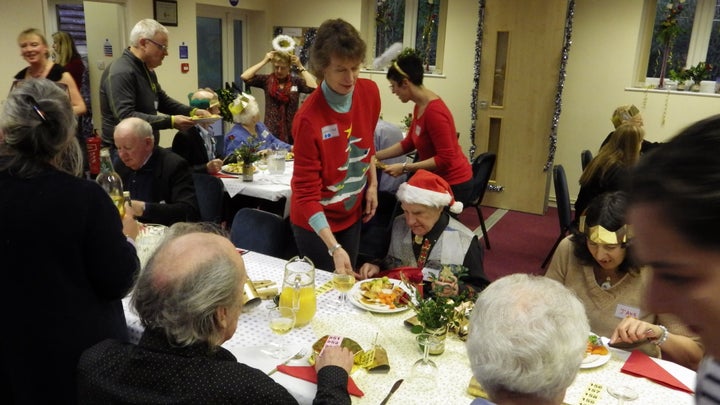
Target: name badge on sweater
623	311
330	131
293	89
417	130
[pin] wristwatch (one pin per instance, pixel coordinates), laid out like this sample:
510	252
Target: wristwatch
333	249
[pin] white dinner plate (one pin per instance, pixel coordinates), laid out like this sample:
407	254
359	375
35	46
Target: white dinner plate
596	360
227	169
354	296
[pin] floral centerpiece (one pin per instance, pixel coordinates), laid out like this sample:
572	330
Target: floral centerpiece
437	314
667	31
249	151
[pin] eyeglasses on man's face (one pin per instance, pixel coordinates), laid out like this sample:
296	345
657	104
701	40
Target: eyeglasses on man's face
162	47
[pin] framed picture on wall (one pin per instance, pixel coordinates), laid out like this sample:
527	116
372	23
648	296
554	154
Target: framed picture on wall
165	12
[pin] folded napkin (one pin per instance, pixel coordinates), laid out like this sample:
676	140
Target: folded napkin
308	373
224	176
641	365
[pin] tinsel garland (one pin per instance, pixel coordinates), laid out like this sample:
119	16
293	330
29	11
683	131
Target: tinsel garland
561	84
476	76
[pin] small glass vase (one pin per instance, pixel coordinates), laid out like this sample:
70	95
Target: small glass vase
438	343
248	171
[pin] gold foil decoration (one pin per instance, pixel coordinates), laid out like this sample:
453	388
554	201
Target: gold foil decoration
251	299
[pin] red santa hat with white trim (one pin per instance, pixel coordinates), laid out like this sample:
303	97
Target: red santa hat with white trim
426	188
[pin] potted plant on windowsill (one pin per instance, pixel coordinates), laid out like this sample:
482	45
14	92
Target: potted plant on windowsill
680	76
698	73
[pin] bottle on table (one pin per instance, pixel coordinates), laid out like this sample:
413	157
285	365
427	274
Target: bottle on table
110	181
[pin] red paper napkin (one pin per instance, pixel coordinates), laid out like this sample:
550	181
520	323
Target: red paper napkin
225	176
413	274
641	365
308	373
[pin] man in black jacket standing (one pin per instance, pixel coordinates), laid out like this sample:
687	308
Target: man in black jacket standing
129	87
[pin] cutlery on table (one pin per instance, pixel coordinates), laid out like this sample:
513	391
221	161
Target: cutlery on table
392	390
297	356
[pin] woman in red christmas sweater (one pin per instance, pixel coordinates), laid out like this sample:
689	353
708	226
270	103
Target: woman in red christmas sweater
333	189
432	131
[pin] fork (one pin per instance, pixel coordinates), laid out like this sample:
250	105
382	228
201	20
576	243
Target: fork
299	355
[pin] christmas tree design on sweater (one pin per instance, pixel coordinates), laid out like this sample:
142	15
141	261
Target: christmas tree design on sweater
349	188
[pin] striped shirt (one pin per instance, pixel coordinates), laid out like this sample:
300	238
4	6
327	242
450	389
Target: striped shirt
708	382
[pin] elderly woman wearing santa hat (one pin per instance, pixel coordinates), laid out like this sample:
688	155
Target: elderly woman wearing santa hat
427	237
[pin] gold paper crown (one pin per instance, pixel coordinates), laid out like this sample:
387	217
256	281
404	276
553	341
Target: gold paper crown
239	104
599	234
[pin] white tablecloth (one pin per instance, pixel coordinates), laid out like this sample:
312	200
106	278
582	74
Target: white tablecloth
264	185
454	374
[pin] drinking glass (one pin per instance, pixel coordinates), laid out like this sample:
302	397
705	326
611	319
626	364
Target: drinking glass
262	164
343	283
424	372
281	321
622	393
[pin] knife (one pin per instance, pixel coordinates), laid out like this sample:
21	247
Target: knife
392	390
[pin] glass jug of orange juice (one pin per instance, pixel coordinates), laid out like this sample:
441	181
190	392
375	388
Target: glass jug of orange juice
299	289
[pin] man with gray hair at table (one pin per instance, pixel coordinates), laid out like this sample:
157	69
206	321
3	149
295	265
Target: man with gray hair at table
159	181
189	298
528	335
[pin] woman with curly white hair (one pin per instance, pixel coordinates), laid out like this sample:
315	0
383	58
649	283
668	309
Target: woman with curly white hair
246	115
527	338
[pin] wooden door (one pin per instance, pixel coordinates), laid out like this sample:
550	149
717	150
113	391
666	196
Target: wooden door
522	47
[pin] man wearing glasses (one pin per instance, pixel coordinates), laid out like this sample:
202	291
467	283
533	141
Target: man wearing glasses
129	86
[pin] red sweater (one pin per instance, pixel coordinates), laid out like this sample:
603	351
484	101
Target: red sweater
433	135
332	156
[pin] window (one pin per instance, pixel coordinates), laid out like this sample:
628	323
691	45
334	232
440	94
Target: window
71	19
415	23
698	38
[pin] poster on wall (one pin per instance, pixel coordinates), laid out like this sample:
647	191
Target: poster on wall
303	36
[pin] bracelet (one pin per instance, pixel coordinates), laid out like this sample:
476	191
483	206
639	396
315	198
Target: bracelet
404	169
332	250
663	337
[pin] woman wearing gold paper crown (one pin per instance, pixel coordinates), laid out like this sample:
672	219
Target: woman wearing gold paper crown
425	236
282	89
246	115
596	264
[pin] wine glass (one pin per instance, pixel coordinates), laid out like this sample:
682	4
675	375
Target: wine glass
343	283
424	372
622	393
281	321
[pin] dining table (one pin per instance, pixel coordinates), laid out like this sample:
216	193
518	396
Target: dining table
390	331
271	187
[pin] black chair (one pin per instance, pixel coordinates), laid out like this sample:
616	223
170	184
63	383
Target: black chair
585	158
263	232
482	168
210	194
562	197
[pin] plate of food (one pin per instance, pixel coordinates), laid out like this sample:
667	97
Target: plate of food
232	168
206	120
596	353
382	295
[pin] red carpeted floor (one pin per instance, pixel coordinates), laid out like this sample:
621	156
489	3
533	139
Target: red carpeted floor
518	241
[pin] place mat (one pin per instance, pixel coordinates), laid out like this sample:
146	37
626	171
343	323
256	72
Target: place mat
308	373
641	365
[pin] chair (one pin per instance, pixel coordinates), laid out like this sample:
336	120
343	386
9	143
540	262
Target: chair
263	232
482	169
210	195
585	158
562	197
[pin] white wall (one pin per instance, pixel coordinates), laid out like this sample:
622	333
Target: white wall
601	65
